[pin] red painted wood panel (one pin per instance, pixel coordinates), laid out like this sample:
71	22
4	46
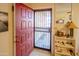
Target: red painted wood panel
24	29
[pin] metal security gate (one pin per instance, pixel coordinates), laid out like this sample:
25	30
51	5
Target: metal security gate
43	29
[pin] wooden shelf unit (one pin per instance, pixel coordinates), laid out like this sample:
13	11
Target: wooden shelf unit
64	46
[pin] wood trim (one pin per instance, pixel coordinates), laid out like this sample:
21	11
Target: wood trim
53	32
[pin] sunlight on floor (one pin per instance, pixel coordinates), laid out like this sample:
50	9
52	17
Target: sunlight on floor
40	52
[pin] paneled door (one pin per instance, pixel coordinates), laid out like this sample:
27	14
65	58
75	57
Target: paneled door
24	29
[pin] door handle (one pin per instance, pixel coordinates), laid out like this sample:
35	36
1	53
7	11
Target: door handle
16	41
16	36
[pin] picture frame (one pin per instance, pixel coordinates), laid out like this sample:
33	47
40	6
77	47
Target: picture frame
3	21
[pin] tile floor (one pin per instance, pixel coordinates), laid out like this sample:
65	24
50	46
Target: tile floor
40	52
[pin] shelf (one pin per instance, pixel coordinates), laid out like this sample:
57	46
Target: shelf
63	38
64	46
62	54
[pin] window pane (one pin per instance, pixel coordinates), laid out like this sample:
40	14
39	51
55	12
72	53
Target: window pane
42	19
42	40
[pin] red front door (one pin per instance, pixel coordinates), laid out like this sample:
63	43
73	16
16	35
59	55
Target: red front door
24	29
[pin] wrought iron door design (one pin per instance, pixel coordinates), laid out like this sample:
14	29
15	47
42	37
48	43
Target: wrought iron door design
43	28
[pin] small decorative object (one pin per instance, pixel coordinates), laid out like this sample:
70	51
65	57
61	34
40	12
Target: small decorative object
69	43
59	33
60	21
71	26
3	21
67	35
71	52
71	32
63	43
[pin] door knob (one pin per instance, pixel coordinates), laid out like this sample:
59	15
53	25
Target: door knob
16	41
16	36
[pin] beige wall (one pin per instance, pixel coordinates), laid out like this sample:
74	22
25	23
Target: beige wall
61	12
6	38
75	17
39	5
44	6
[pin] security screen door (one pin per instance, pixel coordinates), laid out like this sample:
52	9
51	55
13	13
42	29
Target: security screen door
43	28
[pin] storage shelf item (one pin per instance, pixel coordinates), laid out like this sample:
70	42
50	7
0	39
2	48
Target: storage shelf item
64	38
64	51
64	46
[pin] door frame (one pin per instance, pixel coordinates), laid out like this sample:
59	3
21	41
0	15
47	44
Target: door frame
46	9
